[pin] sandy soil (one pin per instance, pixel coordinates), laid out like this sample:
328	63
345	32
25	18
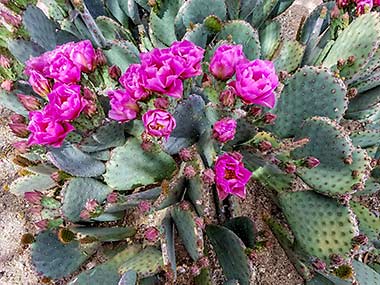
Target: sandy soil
272	265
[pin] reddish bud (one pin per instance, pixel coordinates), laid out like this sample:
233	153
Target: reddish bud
227	97
30	103
256	111
21	146
335	13
151	234
195	270
19	129
144	207
290	168
85	215
100	58
185	206
319	264
161	103
112	197
91	205
189	172
312	162
269	118
208	177
7	85
265	146
114	72
360	239
203	262
42	225
4	61
186	154
336	259
33	197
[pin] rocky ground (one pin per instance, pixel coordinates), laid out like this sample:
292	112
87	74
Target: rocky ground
272	265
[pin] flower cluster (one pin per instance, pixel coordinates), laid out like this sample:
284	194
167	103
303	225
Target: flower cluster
160	72
55	76
362	6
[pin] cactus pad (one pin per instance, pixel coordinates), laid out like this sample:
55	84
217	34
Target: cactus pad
261	12
30	183
78	191
270	39
106	234
163	28
311	91
364	101
190	233
242	33
71	160
230	253
369	224
146	263
122	54
198	35
363	37
321	225
130	166
55	259
289	57
195	11
364	274
106	273
365	138
244	228
331	146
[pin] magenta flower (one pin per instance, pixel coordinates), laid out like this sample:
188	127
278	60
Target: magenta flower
63	69
65	102
47	130
160	72
224	130
158	123
363	6
123	107
376	2
39	83
132	81
189	56
230	175
255	82
82	54
224	61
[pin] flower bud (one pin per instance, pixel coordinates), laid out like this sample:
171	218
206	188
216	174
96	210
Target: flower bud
360	239
21	146
312	162
30	103
7	85
5	61
336	259
290	168
195	270
100	58
319	264
335	13
91	205
265	146
161	103
186	154
151	234
33	197
227	97
42	225
112	197
144	207
342	3
256	111
19	129
269	118
189	172
208	177
114	72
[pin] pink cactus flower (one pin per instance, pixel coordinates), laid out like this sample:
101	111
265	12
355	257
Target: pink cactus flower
376	3
151	234
46	130
123	107
29	102
231	176
256	81
227	97
82	54
132	81
158	123
63	69
189	57
65	102
363	6
224	130
224	61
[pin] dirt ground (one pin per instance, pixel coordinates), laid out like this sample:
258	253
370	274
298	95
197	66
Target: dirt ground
272	265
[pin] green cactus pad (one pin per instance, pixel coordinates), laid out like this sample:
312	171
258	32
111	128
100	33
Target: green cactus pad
233	8
105	137
40	28
261	11
107	273
175	192
146	263
112	30
289	57
122	54
364	101
196	194
242	33
114	7
130	8
30	183
311	91
195	11
244	228
191	235
198	35
363	37
364	274
372	186
22	50
331	146
369	224
106	234
270	39
55	259
365	138
71	160
230	253
321	225
128	278
368	83
78	191
281	7
371	68
133	200
168	244
130	166
10	101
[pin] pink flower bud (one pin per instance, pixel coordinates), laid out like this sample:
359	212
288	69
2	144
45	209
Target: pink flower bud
21	146
336	259
10	17
151	234
335	13
19	129
208	177
100	58
42	225
203	262
224	130
312	162
200	222
319	264
30	103
360	239
186	154
144	207
114	72
35	210
161	103
189	172
269	118
227	97
112	197
16	118
39	83
33	197
195	270
85	215
7	85
256	111
147	145
91	205
265	146
4	61
342	3
290	168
